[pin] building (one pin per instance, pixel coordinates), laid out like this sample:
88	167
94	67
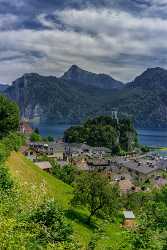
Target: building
44	165
52	149
25	128
77	149
137	169
160	182
142	169
101	152
126	186
129	219
98	164
30	154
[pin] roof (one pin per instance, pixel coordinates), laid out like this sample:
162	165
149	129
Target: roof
125	185
100	149
142	168
44	165
98	162
161	182
62	163
129	215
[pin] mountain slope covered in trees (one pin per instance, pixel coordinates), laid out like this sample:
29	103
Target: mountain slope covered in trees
102	81
145	99
79	95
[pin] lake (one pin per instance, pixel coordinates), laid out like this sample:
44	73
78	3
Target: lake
149	137
153	137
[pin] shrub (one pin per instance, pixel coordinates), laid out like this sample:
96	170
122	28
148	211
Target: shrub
66	173
51	219
9	113
35	137
6	182
3	153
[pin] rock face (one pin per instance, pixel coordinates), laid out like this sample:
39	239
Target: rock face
50	98
87	78
72	99
22	92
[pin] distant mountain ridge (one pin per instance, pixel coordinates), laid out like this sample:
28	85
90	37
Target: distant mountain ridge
49	97
74	97
88	78
151	78
145	98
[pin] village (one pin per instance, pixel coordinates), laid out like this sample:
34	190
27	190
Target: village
133	172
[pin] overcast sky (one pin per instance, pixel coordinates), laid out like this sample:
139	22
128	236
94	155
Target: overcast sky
118	37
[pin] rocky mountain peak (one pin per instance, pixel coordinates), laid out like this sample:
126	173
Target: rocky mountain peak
103	81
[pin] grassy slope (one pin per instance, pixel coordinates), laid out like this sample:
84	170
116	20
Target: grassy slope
37	184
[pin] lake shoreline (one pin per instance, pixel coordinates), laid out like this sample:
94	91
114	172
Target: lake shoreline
155	138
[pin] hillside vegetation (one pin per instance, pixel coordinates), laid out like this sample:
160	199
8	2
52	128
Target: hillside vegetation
79	95
104	131
37	184
38	211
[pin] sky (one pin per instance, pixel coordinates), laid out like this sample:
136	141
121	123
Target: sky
118	37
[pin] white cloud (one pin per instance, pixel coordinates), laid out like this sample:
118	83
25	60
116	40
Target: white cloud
7	21
99	40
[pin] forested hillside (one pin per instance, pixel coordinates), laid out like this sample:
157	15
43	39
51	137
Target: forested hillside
79	95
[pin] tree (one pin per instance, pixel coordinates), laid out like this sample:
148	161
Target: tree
3	153
52	221
36	130
35	137
97	194
50	139
66	173
9	116
103	131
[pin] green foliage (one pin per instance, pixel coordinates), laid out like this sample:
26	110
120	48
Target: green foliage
9	116
93	191
36	130
103	131
3	153
145	149
151	231
66	173
13	142
51	220
35	137
6	182
50	138
8	144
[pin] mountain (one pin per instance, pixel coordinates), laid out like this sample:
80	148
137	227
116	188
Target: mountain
52	98
67	100
145	99
3	87
155	78
87	78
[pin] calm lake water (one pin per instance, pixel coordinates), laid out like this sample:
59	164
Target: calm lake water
149	137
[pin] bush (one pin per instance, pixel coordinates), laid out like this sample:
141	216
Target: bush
51	219
35	137
66	173
3	153
6	182
9	113
145	149
13	142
